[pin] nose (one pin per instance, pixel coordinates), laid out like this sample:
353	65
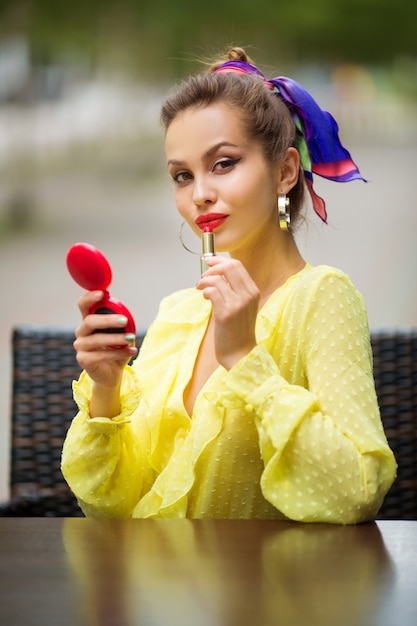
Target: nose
204	192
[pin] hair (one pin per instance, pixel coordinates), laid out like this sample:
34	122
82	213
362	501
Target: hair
265	116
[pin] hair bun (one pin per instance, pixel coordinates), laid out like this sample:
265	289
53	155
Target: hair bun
237	54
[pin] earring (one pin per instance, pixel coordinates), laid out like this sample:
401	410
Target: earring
182	240
284	211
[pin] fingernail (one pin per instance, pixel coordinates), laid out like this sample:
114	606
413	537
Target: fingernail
122	320
130	337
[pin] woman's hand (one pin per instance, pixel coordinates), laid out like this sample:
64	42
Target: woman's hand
102	355
235	299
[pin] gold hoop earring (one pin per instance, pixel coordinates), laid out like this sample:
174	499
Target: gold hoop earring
180	234
284	211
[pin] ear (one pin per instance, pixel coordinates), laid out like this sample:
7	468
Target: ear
289	171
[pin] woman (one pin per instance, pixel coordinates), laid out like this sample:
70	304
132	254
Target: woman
253	393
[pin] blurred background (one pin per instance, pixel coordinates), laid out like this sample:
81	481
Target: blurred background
81	149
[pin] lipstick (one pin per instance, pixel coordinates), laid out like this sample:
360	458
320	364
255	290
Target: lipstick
207	242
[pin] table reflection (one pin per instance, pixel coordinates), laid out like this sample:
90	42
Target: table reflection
224	572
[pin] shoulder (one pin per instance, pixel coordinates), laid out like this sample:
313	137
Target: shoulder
333	302
322	290
324	273
318	279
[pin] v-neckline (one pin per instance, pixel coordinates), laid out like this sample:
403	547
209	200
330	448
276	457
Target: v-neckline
196	371
205	326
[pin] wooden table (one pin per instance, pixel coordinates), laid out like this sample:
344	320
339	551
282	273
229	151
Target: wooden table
74	571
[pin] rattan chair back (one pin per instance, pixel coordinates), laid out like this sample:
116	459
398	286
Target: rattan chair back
395	372
44	367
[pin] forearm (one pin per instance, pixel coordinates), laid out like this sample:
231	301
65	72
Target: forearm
98	462
321	475
105	460
321	464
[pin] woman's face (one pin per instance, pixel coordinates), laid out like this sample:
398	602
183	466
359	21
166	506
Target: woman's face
221	177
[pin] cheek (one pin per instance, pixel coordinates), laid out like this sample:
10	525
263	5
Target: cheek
180	202
184	205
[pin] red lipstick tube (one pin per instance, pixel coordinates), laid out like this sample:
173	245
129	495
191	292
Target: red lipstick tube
207	242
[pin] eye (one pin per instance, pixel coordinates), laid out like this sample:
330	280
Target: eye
225	164
181	177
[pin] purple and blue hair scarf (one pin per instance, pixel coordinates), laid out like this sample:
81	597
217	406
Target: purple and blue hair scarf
321	151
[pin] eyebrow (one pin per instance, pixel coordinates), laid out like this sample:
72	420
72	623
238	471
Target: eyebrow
209	153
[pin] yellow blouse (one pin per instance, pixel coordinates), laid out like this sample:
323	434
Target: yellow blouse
291	431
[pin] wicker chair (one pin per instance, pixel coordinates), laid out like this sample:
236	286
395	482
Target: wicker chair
42	407
44	367
395	372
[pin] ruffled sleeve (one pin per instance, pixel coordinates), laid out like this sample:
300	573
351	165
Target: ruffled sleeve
104	460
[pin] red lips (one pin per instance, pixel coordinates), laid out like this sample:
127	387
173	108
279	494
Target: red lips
212	220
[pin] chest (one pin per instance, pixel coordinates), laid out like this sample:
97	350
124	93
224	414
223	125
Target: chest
205	364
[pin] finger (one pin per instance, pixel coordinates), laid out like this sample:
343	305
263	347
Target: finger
232	270
234	276
214	260
86	301
103	341
90	361
215	288
101	323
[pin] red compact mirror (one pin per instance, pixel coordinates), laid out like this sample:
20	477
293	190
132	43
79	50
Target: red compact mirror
91	270
88	267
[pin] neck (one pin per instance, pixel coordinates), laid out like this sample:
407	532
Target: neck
271	263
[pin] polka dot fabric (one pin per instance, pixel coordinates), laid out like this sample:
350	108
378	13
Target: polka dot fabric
291	431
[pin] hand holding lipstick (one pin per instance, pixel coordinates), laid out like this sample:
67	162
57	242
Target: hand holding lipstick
235	299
